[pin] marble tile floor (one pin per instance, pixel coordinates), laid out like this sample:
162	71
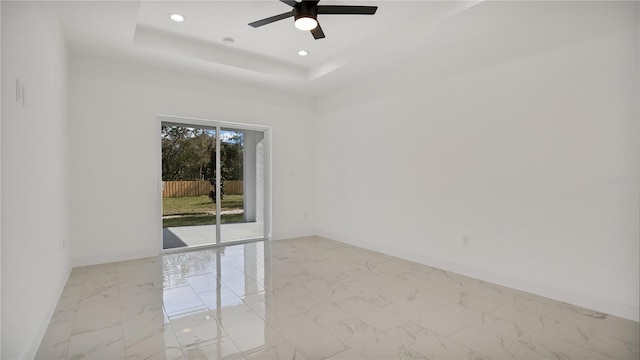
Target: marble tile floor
312	298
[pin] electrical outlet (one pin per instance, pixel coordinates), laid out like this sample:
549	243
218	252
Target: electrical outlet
465	241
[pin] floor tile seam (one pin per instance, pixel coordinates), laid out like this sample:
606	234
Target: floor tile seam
298	312
124	308
410	346
243	294
243	274
221	325
346	321
387	333
347	348
73	333
528	312
535	312
260	316
589	338
580	330
313	307
100	277
68	337
75	319
205	304
186	348
135	280
222	333
107	327
156	331
216	290
121	322
66	351
124	347
374	311
376	332
535	298
126	286
612	338
569	342
553	335
481	352
456	287
96	289
243	352
608	355
128	271
187	312
425	304
326	283
173	332
460	302
291	343
84	284
438	332
517	294
594	326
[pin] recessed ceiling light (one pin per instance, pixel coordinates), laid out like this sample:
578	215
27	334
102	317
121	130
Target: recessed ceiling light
303	53
176	17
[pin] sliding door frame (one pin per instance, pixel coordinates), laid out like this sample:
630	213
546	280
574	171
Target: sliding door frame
217	126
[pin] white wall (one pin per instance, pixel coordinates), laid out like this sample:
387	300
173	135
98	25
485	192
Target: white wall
518	126
35	216
115	151
0	189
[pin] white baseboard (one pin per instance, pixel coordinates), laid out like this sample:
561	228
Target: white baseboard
37	335
108	258
571	296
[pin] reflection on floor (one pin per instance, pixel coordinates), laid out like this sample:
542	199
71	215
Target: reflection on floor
313	298
206	234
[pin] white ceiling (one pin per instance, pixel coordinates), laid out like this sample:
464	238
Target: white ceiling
355	46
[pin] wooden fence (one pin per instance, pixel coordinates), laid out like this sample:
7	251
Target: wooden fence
233	187
196	188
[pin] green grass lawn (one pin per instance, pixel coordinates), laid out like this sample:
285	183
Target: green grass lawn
198	204
194	209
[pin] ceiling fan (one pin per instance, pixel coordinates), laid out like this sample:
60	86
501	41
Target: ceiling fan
306	13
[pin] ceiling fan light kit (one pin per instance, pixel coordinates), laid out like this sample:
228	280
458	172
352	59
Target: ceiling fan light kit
305	14
306	23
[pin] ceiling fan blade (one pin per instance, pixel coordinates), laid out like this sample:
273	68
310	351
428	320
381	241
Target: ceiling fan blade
291	3
346	10
317	32
271	19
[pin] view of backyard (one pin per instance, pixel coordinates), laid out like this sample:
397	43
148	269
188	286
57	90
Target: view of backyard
193	159
200	210
188	174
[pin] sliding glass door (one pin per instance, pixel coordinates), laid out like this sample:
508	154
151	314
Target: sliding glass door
242	163
215	184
